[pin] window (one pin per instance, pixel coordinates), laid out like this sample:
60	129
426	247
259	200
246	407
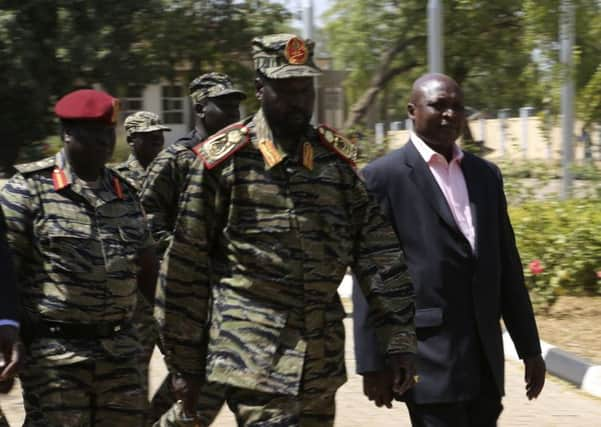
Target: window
132	102
172	103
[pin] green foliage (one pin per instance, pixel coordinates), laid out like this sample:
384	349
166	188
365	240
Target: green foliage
504	52
565	236
50	47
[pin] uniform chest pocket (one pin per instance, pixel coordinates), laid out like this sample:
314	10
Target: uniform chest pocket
71	247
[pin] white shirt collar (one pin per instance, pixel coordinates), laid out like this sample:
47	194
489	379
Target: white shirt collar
427	153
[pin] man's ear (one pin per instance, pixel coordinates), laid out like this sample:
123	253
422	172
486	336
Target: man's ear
259	88
411	110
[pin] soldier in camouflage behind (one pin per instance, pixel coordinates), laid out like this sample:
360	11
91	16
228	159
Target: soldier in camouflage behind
144	133
82	250
273	215
217	104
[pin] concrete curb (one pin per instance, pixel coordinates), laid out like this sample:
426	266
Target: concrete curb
560	363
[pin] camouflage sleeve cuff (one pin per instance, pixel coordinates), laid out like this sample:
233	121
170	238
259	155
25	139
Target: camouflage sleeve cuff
185	360
402	342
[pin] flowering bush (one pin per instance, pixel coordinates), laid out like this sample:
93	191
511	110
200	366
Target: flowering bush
560	246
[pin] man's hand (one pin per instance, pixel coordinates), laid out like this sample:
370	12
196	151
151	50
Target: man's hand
534	376
403	372
187	389
11	351
377	386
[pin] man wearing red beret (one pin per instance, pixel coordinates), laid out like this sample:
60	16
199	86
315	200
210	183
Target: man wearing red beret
82	249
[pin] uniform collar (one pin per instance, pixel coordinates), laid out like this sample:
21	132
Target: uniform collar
271	150
63	176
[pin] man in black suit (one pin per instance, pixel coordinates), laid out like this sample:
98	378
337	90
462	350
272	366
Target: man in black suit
449	211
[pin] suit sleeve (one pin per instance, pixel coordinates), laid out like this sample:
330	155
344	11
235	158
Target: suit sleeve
517	312
8	283
382	276
182	300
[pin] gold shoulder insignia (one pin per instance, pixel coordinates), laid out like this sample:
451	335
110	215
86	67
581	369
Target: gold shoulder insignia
217	148
338	143
26	168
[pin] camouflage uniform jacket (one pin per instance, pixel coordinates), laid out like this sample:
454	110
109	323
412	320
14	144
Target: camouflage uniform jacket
261	250
75	251
166	179
132	171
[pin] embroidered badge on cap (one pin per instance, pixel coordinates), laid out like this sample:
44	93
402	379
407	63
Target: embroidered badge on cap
296	52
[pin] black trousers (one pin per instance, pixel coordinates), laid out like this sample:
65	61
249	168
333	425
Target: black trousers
482	411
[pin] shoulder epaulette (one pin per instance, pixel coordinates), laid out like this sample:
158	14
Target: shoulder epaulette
338	143
219	147
26	168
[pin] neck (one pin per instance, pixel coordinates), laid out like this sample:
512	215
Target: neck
202	131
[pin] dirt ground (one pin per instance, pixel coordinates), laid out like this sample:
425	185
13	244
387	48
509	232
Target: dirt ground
574	325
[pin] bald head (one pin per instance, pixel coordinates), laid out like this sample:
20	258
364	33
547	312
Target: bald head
436	108
429	82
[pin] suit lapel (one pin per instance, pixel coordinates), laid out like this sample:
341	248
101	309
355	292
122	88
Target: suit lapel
477	193
422	177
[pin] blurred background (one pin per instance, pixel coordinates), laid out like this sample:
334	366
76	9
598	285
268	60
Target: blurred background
530	70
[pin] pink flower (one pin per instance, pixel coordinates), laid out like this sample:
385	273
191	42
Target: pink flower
599	274
536	267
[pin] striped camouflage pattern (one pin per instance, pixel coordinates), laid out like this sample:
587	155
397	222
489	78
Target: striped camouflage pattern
75	251
270	245
284	56
99	393
212	85
132	171
143	122
166	178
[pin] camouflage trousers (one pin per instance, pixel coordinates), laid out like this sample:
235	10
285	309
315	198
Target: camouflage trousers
148	334
256	409
96	393
165	412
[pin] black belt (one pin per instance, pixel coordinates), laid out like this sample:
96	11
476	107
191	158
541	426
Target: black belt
68	330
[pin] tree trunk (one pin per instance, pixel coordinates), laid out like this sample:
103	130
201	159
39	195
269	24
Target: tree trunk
381	77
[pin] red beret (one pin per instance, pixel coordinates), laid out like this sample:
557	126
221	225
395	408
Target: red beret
88	104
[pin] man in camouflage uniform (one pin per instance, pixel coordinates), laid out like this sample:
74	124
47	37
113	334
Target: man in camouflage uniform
273	215
82	249
144	133
217	104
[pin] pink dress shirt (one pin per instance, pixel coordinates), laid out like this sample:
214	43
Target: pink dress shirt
451	182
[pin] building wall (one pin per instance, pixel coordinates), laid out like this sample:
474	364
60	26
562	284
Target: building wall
516	139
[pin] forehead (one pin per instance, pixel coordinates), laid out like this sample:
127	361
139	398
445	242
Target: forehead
231	98
440	89
291	83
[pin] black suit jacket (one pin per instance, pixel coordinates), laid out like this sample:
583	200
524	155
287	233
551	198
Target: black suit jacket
8	286
460	294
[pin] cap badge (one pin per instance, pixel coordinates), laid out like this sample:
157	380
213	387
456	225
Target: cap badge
296	51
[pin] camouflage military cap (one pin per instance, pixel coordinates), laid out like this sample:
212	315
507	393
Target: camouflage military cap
143	121
212	85
282	56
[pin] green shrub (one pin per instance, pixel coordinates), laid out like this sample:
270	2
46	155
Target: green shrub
565	238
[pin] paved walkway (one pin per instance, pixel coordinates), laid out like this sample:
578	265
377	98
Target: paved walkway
559	405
